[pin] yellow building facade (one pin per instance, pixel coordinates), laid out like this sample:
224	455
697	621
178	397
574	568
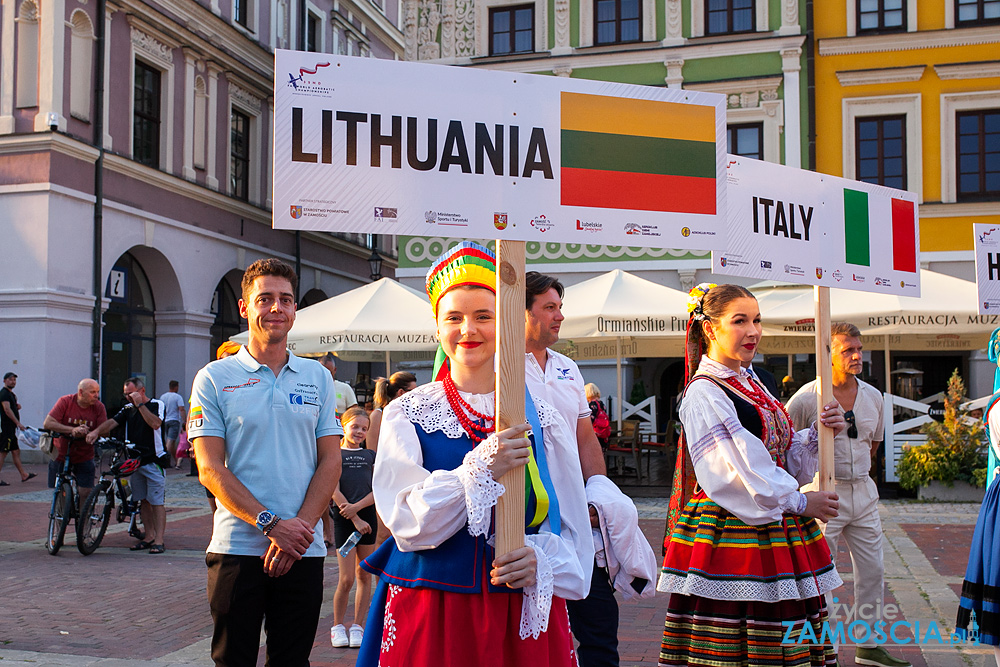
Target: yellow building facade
908	95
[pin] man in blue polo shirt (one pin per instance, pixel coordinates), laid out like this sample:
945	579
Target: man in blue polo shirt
267	441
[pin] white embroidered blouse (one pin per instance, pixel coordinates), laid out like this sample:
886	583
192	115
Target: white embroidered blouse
732	465
424	508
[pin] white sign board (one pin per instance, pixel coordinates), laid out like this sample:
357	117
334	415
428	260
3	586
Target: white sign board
386	147
801	227
987	246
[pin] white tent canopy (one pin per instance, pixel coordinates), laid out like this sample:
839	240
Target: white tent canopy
380	317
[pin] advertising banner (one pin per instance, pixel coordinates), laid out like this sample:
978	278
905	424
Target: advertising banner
386	147
802	227
987	247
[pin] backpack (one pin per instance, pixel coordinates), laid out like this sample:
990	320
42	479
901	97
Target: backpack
602	425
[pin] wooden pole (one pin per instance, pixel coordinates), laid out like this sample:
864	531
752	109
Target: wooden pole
510	386
824	375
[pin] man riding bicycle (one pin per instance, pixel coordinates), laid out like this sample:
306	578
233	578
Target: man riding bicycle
74	416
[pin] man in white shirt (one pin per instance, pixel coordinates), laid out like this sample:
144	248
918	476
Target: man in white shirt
173	423
853	449
557	379
345	394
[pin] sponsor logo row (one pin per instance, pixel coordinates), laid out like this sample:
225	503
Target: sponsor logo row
792	270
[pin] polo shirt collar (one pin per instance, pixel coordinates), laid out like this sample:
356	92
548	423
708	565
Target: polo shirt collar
252	365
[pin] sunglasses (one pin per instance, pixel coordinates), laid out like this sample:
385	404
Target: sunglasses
852	425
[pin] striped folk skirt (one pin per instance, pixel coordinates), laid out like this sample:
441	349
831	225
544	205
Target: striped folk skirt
742	594
979	606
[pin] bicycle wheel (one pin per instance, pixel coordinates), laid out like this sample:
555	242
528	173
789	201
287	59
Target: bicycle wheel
59	515
93	519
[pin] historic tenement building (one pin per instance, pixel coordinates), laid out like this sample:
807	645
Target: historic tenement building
139	167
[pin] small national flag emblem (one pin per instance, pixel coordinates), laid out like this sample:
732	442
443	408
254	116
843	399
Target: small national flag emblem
857	233
196	418
647	155
296	212
500	221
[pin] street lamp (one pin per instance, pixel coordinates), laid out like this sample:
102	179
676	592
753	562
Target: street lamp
375	264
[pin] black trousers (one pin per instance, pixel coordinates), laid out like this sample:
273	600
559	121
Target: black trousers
241	596
594	621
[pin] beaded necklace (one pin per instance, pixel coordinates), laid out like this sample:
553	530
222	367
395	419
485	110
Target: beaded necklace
462	410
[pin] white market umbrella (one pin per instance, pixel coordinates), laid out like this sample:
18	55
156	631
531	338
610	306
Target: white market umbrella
944	316
381	317
617	306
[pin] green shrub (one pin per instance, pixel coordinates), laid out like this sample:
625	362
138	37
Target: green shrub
955	449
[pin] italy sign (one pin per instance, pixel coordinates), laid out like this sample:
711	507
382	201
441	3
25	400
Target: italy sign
987	247
802	227
386	147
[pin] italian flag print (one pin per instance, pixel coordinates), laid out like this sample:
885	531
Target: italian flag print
858	238
648	155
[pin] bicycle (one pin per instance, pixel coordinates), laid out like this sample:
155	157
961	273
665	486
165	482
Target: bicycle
100	503
65	500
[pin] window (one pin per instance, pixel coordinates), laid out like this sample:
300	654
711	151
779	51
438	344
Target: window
146	115
512	30
978	153
881	151
724	17
313	35
617	21
239	153
881	15
976	12
746	140
241	12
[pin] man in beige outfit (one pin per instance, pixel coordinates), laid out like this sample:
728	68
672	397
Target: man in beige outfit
854	448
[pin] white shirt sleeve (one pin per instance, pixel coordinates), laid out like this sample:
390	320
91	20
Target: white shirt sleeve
731	464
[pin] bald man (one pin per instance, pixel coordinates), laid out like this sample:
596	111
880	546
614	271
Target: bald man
74	416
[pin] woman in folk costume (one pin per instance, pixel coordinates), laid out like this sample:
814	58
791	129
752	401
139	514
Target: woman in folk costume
445	598
744	553
979	606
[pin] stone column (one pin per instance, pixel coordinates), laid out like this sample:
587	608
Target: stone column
183	346
7	56
187	169
791	65
109	9
211	167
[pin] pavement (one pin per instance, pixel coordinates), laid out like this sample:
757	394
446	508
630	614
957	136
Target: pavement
118	608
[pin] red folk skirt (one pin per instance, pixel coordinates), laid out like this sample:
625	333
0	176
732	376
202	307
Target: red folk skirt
426	627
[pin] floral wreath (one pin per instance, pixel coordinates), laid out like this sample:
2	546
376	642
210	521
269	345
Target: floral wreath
696	300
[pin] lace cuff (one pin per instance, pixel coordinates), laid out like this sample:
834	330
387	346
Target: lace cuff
795	503
481	490
536	602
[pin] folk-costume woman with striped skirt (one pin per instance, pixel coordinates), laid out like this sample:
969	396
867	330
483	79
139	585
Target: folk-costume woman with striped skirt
979	607
744	555
444	597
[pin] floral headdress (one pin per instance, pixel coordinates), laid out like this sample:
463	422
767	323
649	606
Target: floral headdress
696	301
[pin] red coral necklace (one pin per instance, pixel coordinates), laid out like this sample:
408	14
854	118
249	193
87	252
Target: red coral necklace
462	410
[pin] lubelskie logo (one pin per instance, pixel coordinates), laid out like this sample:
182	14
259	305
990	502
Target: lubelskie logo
765	264
296	81
382	213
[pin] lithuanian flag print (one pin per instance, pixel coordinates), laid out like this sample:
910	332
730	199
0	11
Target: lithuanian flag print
857	234
637	154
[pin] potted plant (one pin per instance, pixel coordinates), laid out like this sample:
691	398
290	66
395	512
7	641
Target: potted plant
951	464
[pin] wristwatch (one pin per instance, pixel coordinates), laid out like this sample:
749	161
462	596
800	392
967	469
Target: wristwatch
265	519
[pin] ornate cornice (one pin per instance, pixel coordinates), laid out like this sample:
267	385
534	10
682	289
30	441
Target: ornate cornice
929	39
865	77
245	98
980	70
152	47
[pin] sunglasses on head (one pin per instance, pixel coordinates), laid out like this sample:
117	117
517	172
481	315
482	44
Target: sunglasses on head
852	426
